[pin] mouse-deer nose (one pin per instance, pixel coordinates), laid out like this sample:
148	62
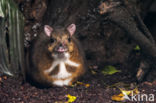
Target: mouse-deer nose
61	48
61	45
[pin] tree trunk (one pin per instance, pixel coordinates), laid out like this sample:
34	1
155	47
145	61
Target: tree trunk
64	12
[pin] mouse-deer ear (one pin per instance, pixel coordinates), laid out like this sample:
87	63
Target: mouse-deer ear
71	29
48	30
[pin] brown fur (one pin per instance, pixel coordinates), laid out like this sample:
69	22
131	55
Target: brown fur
39	57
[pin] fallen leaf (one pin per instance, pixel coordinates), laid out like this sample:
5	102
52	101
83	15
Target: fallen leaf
137	48
120	97
93	72
127	92
84	84
109	70
71	98
74	85
80	83
87	85
136	91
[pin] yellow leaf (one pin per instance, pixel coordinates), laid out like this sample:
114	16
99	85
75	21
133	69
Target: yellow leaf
118	97
81	83
87	85
74	85
129	92
71	98
126	91
121	95
136	91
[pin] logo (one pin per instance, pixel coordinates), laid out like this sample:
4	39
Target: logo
139	97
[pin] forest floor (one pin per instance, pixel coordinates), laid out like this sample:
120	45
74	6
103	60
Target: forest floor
93	88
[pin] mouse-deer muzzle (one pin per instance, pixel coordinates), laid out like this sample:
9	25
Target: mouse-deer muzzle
61	48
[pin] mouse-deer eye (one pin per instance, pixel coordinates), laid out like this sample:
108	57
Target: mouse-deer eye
69	39
52	40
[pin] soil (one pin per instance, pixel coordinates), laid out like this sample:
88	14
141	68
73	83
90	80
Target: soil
13	90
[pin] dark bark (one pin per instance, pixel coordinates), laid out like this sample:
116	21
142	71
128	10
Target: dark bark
64	12
146	5
130	21
120	16
144	29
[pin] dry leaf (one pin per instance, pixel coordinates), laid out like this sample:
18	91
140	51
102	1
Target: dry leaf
87	85
120	97
93	72
81	83
71	98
